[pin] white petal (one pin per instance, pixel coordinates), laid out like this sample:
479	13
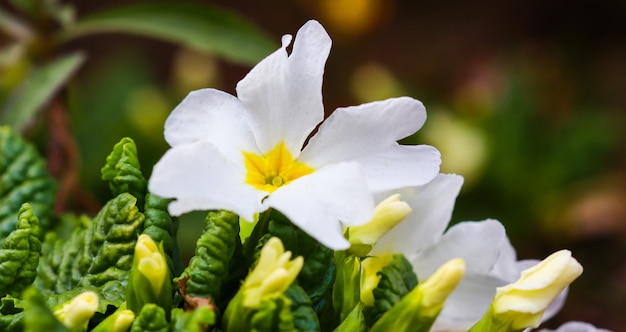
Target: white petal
467	303
201	178
432	206
368	134
478	243
283	94
506	267
576	327
209	115
320	202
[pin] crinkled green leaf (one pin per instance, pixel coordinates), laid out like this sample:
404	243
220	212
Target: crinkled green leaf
273	315
160	226
11	314
208	269
196	25
318	272
198	320
150	319
396	280
304	317
19	255
23	179
123	172
40	86
37	314
98	254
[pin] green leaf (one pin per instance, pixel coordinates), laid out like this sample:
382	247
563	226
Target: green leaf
198	320
304	317
43	83
19	255
98	254
273	315
318	272
150	319
208	269
354	322
123	172
396	280
23	178
199	26
160	226
11	314
37	315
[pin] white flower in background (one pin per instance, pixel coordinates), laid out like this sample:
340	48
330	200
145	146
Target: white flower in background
422	237
247	153
576	327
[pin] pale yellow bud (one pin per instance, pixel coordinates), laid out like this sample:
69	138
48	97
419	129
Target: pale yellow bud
151	262
521	305
273	274
387	215
76	313
437	288
124	319
527	299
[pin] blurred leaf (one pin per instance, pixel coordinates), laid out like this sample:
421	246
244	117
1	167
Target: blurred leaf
37	89
201	27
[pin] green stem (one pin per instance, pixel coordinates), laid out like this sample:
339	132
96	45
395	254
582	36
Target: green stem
257	233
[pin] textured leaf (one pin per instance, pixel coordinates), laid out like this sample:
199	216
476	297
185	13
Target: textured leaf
123	172
397	279
273	315
38	89
195	25
23	179
304	317
19	255
160	226
150	319
11	314
97	255
208	269
318	272
198	320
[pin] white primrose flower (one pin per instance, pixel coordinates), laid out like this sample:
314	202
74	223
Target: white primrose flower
490	259
248	153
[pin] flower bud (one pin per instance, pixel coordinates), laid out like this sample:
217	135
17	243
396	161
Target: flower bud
387	215
272	275
418	310
521	305
76	313
119	321
149	280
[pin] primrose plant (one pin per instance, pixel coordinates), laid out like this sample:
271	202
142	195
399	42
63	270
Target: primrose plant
310	225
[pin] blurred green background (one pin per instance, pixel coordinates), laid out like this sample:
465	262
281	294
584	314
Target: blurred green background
525	99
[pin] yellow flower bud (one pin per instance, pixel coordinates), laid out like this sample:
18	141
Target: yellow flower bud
436	289
273	274
76	313
151	262
123	321
387	215
521	305
149	280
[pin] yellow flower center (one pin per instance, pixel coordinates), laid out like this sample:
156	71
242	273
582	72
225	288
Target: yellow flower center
274	169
